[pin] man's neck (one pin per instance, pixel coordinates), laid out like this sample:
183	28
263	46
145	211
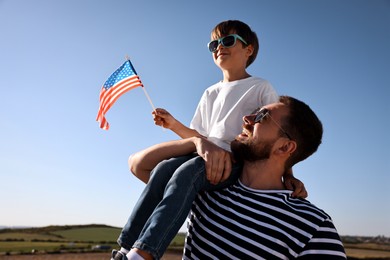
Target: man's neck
262	175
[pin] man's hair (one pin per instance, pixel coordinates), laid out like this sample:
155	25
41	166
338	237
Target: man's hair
303	126
226	27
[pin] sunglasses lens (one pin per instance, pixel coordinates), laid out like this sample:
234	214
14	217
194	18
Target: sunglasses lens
213	45
228	41
261	114
259	117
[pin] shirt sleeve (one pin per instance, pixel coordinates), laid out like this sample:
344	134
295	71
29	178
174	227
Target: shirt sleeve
198	122
325	244
269	94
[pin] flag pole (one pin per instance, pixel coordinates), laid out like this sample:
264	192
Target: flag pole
150	101
143	87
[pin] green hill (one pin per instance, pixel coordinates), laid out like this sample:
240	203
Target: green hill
63	233
55	239
52	239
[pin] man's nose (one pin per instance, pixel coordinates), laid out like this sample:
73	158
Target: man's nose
249	119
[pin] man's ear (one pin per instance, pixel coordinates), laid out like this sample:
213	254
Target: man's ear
287	147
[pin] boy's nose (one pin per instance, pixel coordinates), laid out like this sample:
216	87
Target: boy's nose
219	46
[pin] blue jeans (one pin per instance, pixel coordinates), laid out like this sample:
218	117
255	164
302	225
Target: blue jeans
165	203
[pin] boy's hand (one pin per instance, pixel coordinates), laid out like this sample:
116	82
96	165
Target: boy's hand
298	188
163	118
217	160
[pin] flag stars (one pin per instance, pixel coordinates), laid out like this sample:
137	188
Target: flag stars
123	72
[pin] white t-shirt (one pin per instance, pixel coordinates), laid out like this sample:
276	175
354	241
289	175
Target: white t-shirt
222	106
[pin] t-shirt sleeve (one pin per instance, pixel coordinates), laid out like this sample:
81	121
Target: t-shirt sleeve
325	244
269	94
198	122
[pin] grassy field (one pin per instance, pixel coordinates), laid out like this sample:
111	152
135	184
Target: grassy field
53	240
60	239
57	239
367	251
74	256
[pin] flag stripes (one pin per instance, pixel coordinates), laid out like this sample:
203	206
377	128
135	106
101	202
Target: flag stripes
121	81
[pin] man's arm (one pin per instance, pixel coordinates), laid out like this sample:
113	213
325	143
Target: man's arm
143	162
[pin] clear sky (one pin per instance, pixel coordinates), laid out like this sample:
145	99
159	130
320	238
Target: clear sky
58	167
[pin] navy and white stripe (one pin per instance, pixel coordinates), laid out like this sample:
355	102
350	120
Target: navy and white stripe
242	223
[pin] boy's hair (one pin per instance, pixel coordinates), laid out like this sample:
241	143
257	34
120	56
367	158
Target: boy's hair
303	126
227	27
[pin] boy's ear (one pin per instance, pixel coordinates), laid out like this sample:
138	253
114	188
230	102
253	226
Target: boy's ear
250	50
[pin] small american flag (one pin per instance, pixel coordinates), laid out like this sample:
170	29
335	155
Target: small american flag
122	80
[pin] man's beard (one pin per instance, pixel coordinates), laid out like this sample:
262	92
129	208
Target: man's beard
248	151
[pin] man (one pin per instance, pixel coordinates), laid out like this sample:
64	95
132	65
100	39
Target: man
256	218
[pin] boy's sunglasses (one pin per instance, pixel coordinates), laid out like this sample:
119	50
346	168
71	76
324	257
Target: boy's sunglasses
227	42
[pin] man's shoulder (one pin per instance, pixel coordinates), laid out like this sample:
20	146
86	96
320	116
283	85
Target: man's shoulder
306	209
296	207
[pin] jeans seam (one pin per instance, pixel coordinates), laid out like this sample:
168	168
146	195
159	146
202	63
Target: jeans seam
181	209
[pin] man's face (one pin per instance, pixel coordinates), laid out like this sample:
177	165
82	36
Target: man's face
251	151
257	139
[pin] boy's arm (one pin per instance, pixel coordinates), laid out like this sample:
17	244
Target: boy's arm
165	119
217	160
294	184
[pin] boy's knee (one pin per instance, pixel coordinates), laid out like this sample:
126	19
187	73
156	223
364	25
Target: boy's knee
196	163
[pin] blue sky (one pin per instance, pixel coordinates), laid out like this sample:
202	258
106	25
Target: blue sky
58	167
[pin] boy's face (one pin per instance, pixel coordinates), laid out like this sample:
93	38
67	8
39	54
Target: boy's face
232	58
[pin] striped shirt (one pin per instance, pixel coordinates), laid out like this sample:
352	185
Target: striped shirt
242	223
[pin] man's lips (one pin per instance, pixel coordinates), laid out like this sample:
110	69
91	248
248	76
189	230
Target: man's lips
245	133
247	130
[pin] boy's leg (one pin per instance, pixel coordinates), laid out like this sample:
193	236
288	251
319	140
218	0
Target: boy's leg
171	212
233	177
149	199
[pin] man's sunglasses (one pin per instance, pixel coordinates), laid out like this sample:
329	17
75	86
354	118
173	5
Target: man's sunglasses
227	42
261	113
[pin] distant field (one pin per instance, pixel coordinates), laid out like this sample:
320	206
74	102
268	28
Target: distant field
64	239
367	251
72	242
367	254
28	246
57	238
85	256
90	234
